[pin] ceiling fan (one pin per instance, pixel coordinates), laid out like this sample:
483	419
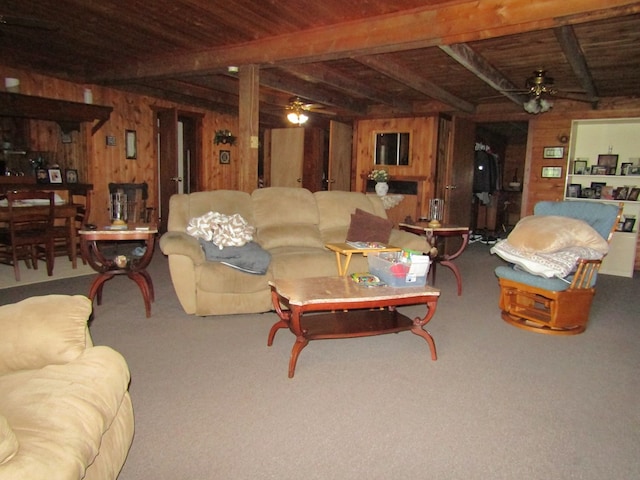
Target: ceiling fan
298	107
540	89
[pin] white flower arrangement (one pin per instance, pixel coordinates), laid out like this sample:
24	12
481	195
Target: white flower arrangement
379	175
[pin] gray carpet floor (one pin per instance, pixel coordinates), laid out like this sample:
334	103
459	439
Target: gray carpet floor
212	401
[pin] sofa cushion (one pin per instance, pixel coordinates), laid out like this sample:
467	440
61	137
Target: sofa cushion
366	227
303	262
284	206
215	277
292	235
550	233
8	441
286	217
39	331
60	413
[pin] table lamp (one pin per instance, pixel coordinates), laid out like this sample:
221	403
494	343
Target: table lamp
118	209
436	210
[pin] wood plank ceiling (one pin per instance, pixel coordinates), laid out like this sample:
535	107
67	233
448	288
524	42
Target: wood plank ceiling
352	58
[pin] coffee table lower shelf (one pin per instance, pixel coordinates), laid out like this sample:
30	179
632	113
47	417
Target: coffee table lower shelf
348	316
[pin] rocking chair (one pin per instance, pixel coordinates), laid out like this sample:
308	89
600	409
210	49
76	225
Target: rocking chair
557	306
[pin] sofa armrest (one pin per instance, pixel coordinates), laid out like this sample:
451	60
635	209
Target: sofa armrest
180	243
44	330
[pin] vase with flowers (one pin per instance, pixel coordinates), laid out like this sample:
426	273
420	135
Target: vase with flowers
381	177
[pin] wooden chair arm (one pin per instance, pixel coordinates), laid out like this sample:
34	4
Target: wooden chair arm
585	272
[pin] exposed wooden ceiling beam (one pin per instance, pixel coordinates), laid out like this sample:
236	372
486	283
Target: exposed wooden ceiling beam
432	25
273	79
320	74
571	48
401	73
481	68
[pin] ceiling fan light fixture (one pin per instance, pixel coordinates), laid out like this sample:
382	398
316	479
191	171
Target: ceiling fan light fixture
297	118
537	105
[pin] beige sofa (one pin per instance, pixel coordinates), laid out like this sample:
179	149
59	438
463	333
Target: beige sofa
292	224
65	410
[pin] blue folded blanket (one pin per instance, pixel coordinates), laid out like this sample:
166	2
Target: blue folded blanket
250	257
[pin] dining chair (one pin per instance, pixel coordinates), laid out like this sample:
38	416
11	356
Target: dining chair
137	196
28	234
62	240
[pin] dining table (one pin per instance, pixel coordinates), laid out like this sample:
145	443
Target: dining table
66	211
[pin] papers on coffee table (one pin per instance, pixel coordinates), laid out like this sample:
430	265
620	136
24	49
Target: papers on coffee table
366	245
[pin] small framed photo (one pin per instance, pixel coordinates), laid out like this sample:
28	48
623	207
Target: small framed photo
633	170
598	170
609	161
551	172
606	193
71	175
553	152
130	145
225	156
579	167
55	175
623	167
573	190
622	193
633	194
587	193
628	224
42	176
597	188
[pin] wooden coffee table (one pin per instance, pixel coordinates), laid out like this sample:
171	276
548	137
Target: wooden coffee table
337	307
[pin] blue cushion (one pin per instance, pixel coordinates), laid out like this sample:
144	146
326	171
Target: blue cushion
553	284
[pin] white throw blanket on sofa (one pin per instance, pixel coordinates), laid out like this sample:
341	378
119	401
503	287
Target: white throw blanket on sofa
223	230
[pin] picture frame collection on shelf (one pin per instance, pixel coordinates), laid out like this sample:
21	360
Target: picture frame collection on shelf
607	164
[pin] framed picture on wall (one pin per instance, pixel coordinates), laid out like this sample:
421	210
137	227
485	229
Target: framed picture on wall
225	156
130	145
551	172
553	152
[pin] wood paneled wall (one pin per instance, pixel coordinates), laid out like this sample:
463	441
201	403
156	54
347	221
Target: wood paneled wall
98	163
422	163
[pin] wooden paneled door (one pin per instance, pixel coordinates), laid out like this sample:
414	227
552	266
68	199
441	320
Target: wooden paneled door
287	153
340	150
179	157
454	171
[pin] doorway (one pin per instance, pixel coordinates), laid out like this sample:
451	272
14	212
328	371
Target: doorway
179	157
496	212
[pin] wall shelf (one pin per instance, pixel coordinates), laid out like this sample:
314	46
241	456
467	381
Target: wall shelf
69	115
590	138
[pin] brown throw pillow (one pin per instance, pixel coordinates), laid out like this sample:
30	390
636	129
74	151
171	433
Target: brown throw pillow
366	227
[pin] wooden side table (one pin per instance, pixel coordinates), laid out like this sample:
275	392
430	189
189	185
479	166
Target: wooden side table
133	267
433	235
346	250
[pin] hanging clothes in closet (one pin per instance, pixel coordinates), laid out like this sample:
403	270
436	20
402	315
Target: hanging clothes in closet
486	176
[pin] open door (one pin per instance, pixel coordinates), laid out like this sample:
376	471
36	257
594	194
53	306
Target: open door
455	169
340	144
168	162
